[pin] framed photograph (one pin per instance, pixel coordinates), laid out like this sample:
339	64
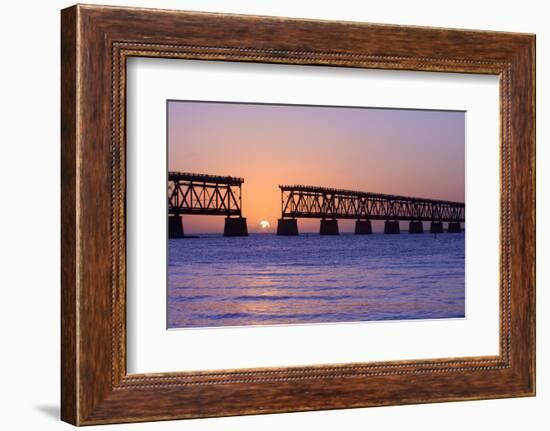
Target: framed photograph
264	215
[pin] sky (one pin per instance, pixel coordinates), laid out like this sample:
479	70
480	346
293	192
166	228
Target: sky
396	151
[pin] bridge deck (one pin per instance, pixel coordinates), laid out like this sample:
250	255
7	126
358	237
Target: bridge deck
204	178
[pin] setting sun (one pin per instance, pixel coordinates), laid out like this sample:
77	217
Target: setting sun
264	224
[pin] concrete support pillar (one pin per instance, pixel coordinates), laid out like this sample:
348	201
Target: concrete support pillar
235	227
416	227
454	227
287	227
175	226
391	227
329	227
436	227
363	227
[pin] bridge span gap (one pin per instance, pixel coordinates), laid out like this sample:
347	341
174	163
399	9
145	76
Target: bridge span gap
200	194
329	205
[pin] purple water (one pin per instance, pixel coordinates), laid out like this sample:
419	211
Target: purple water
264	279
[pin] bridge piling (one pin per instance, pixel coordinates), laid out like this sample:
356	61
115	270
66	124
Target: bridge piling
416	227
391	227
235	226
436	227
363	227
329	227
454	227
175	226
287	227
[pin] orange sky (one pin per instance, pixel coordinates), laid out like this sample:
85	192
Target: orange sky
405	152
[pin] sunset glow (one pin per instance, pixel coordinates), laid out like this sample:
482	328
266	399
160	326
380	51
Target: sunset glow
404	152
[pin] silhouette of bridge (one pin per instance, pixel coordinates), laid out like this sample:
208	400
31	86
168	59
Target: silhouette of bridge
190	193
329	205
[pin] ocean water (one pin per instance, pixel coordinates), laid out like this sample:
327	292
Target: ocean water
264	279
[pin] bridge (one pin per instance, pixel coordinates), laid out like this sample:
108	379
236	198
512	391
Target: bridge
202	194
329	205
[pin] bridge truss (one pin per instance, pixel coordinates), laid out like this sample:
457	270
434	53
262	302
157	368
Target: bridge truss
190	193
299	201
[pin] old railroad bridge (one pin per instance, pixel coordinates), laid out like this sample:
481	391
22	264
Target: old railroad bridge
218	195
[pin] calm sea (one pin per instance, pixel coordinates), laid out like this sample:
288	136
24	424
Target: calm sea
264	279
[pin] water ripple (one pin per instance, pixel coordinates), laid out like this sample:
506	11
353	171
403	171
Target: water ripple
265	279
